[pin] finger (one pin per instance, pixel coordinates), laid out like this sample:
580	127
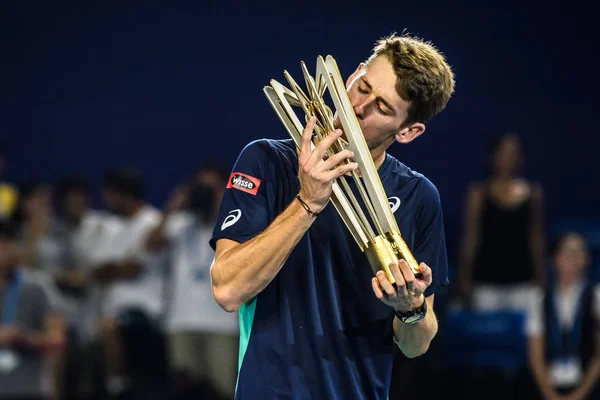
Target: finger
387	287
323	145
377	288
339	171
307	137
336	159
401	288
427	275
409	276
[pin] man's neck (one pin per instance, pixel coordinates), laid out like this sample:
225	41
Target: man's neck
379	153
74	221
134	209
378	157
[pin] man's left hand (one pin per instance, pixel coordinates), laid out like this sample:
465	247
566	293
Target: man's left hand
408	294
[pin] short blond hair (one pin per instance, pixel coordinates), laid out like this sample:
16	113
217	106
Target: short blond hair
424	77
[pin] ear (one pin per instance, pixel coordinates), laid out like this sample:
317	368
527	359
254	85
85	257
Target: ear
410	133
358	70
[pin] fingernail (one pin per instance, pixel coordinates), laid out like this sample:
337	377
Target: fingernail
351	154
379	273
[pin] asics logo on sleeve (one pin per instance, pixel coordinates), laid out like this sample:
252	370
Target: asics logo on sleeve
232	218
394	203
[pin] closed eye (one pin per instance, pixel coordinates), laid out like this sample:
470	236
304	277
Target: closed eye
388	111
381	110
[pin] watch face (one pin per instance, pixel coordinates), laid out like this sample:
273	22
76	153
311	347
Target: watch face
413	318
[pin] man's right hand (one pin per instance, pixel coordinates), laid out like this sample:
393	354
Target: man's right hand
178	199
317	176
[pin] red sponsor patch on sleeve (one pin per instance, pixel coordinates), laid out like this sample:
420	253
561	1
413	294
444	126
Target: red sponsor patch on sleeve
243	182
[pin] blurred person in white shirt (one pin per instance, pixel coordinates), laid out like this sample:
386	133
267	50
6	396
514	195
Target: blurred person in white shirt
203	337
563	326
132	279
86	231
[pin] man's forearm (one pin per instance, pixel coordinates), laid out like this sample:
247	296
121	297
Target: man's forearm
414	340
41	341
245	270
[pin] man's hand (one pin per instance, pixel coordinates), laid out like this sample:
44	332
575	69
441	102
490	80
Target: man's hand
317	176
408	294
177	199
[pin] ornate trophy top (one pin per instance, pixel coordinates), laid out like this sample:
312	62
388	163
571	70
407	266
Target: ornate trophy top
378	236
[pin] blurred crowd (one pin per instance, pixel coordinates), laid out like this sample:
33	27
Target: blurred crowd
112	303
116	302
522	317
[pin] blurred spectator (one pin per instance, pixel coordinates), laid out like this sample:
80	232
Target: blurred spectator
502	248
203	337
29	329
86	231
133	281
42	235
564	327
8	194
41	239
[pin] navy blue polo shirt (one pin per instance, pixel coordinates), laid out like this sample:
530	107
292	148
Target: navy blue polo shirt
317	331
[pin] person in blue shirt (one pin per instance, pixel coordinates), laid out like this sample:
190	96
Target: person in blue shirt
314	321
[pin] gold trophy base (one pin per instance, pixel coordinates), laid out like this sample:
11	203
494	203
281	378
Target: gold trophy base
387	249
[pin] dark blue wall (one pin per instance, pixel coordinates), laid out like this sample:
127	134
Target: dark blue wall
165	85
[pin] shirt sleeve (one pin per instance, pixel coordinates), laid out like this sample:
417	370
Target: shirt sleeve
244	211
147	259
430	239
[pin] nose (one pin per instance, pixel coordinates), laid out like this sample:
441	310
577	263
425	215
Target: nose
362	107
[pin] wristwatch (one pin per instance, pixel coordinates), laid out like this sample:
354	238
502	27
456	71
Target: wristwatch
414	316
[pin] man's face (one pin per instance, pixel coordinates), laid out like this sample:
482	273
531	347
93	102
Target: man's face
380	110
75	203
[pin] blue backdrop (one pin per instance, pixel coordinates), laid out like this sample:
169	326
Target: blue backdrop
165	85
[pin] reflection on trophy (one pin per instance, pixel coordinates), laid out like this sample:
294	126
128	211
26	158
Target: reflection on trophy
372	224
